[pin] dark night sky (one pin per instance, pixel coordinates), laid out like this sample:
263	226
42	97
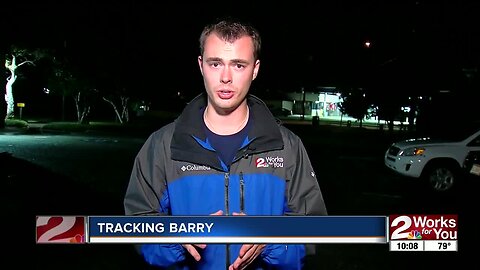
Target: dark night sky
322	42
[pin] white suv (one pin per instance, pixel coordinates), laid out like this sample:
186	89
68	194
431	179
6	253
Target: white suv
438	162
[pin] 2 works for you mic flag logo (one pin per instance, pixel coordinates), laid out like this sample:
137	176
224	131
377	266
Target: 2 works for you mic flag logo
61	229
423	227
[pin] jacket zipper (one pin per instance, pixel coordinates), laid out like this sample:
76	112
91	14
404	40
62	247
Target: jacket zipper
227	211
242	197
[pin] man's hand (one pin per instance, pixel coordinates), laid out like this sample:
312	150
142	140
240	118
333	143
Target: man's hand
248	253
192	249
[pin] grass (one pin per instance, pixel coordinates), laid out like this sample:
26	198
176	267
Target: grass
143	126
16	123
67	126
110	127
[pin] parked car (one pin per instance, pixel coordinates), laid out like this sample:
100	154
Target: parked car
437	162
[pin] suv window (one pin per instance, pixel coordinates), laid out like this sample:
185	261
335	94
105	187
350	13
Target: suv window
475	142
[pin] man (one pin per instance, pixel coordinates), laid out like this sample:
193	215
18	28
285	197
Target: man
225	155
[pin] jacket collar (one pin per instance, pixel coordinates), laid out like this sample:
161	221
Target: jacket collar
263	136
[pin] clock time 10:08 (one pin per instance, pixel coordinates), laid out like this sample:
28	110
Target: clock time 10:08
403	245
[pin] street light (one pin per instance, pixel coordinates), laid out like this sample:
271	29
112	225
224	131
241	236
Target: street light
367	44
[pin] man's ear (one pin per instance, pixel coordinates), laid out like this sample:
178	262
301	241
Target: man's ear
200	62
255	69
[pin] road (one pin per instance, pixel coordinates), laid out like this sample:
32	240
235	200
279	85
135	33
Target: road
87	174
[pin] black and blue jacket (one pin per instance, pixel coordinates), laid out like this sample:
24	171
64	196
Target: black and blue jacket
178	172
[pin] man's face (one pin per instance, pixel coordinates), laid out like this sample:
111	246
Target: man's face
228	70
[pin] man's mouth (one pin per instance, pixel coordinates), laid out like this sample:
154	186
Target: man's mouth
225	94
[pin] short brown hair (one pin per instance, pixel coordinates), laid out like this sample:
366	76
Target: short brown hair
231	30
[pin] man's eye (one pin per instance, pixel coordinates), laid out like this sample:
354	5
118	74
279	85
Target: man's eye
240	66
215	64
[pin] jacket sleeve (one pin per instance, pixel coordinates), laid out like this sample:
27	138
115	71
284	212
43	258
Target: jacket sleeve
304	197
146	195
303	190
284	257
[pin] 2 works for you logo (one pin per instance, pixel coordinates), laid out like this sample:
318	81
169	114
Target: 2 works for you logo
423	227
265	162
60	229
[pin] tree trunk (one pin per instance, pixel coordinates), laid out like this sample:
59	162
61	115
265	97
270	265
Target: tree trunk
83	109
11	66
9	96
122	117
119	117
125	113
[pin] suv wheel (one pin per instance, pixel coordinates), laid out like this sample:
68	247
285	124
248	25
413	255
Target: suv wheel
442	177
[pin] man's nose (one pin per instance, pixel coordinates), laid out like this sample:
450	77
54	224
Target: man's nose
226	76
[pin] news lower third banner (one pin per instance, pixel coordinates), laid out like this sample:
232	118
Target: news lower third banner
220	229
236	229
404	232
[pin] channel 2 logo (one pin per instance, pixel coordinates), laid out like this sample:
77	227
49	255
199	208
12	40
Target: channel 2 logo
423	227
60	229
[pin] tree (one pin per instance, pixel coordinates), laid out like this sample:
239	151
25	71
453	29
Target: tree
355	104
120	104
83	105
11	65
66	81
389	109
16	59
